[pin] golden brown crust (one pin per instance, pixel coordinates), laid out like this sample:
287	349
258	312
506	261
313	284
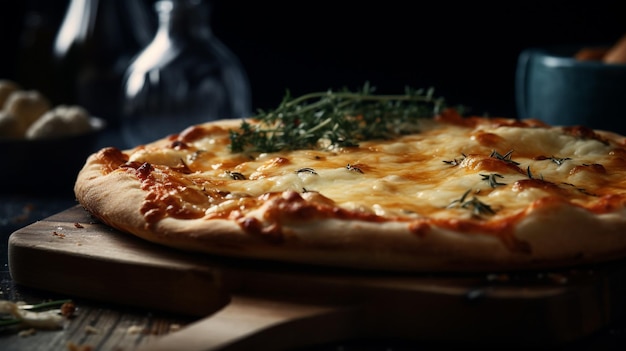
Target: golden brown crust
307	227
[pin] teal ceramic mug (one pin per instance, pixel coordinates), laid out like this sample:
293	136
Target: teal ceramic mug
553	86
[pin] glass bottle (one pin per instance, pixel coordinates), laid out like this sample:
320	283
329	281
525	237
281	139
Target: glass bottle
92	48
185	76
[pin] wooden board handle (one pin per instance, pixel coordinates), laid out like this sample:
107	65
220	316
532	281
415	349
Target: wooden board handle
253	323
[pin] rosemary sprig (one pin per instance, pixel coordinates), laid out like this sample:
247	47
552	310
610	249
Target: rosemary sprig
335	118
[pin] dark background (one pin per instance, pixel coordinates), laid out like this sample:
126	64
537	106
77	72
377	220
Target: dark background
466	50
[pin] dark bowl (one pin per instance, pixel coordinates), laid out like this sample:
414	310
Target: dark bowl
46	166
553	86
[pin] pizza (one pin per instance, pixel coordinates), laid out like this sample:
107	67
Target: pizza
357	180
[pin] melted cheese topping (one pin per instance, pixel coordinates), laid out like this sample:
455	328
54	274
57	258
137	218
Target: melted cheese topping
474	169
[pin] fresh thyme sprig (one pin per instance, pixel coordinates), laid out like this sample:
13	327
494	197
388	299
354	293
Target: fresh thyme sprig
335	118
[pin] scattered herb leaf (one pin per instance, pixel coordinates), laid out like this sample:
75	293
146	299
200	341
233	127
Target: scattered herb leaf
476	206
455	162
492	179
530	174
236	175
559	160
350	167
307	170
506	157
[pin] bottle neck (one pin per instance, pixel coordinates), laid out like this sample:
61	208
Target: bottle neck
115	25
184	19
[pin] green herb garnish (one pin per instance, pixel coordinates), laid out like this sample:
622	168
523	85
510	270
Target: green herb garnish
10	312
335	119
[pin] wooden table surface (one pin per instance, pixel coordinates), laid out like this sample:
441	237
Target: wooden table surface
99	325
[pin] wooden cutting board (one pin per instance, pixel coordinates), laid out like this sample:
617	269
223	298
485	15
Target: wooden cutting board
256	303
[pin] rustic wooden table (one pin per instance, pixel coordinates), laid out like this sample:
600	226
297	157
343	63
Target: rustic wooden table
94	326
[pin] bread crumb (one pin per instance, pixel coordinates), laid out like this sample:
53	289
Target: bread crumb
135	329
60	235
27	332
91	330
68	309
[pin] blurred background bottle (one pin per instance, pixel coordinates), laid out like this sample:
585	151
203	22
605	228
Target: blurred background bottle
93	46
185	76
34	70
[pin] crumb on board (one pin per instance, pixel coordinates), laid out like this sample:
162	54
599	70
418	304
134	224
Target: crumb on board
27	332
135	329
91	330
68	309
24	215
78	225
74	347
